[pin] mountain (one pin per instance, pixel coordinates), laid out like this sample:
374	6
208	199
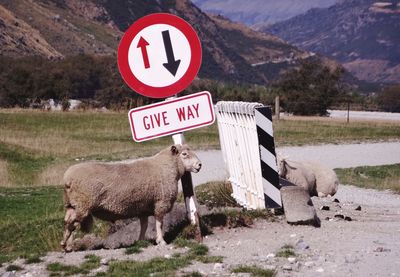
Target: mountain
362	34
258	13
59	28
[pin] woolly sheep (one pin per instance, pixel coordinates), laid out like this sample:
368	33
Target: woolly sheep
326	179
319	180
297	174
110	192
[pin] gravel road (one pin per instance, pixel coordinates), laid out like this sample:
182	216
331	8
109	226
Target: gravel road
335	156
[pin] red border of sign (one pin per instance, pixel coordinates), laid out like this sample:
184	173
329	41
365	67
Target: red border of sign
182	83
166	103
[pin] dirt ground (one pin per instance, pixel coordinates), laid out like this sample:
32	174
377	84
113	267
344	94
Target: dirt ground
368	245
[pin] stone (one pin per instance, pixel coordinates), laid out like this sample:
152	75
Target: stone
270	255
301	245
218	266
320	270
348	218
325	208
104	261
287	267
298	207
339	216
358	208
291	260
336	200
309	264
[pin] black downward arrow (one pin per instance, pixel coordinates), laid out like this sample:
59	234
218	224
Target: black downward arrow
172	64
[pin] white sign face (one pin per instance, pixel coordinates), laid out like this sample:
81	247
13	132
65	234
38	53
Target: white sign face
172	116
148	47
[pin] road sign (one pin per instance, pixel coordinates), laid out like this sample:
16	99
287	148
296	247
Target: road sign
159	55
172	116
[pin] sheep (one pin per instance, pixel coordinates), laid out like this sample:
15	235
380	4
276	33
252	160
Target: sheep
111	192
297	174
327	182
319	180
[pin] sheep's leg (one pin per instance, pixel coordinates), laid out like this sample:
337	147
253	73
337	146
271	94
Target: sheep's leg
159	225
143	227
69	226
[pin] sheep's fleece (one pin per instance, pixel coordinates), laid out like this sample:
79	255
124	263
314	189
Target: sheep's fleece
117	191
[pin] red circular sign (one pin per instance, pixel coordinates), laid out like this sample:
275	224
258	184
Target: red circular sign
159	55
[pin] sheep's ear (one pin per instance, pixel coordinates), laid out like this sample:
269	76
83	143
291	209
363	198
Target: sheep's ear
174	150
288	166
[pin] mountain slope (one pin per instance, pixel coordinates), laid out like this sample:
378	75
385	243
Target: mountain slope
362	34
254	12
231	52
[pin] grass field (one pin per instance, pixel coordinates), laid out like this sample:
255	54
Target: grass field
375	177
36	147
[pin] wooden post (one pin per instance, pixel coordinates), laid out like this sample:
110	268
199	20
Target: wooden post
348	111
189	195
277	107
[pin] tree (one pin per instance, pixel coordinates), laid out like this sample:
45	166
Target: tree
389	99
310	89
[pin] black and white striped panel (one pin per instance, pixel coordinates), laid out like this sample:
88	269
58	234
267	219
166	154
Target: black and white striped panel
269	170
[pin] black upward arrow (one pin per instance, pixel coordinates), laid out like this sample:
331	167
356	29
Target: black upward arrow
172	64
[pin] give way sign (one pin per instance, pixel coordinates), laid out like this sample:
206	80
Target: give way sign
172	116
159	55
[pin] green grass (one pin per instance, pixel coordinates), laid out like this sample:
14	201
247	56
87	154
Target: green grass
375	177
162	266
31	221
254	271
91	262
137	247
286	251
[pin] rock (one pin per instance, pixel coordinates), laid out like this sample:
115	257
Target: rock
104	261
309	264
293	235
327	218
325	208
287	267
128	233
218	266
301	245
339	216
381	249
298	206
347	218
336	200
291	260
358	208
167	256
271	255
319	269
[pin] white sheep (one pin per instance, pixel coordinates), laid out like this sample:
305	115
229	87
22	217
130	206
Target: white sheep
327	182
318	179
110	192
297	174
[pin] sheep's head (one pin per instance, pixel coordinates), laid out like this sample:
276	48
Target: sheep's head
282	167
189	159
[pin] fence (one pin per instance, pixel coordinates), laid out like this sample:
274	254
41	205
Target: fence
251	175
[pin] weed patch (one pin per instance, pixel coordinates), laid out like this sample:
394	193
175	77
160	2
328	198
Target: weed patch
286	251
137	247
254	271
91	262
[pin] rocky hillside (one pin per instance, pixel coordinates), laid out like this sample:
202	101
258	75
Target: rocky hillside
260	12
57	28
362	34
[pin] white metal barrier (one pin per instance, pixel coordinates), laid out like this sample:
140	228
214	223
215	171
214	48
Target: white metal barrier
239	145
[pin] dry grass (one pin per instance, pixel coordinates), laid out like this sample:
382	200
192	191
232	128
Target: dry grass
4	181
38	146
